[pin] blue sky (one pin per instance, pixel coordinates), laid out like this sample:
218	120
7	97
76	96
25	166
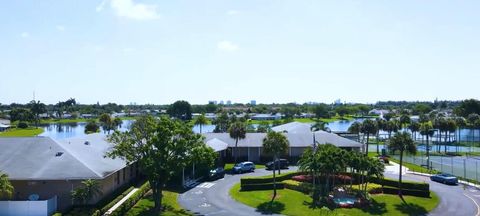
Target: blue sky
269	50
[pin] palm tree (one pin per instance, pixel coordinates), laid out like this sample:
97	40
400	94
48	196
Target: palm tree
404	121
6	188
90	189
414	127
403	142
276	144
237	131
369	127
426	129
473	120
319	125
200	121
37	108
373	167
355	128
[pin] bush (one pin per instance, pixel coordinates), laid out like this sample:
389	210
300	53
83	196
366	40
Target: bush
22	125
268	186
407	185
302	187
268	179
113	202
128	204
418	193
57	214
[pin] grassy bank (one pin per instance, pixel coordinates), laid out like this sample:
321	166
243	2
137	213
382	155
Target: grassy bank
144	206
289	202
16	132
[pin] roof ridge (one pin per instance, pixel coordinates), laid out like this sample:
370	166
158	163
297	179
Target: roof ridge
76	158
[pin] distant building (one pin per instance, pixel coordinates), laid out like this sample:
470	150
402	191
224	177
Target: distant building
221	102
229	102
253	102
338	102
212	102
261	117
379	112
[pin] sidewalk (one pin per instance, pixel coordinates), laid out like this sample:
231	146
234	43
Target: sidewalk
120	202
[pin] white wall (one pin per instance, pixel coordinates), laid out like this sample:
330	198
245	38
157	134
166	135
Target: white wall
28	208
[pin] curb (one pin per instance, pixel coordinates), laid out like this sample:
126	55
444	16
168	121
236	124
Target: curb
459	181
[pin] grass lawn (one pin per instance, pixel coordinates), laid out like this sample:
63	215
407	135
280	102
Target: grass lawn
144	206
16	132
289	202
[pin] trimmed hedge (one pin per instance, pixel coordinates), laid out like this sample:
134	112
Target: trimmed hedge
128	204
268	179
407	185
268	186
113	202
418	193
302	187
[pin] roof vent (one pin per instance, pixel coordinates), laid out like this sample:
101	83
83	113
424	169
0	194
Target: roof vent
87	142
59	154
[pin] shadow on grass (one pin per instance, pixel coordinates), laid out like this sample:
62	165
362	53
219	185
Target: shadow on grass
147	209
375	208
271	208
411	209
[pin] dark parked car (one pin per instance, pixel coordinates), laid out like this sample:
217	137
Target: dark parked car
445	179
279	164
244	167
217	173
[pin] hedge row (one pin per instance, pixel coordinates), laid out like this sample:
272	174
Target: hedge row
268	186
130	202
302	187
418	193
420	186
269	179
115	201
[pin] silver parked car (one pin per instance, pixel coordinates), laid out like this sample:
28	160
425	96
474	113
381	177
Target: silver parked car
244	167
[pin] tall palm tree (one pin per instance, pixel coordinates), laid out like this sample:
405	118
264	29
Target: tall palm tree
375	168
200	121
426	129
414	127
404	121
355	128
6	188
37	108
473	123
392	126
276	144
369	127
237	131
319	125
403	142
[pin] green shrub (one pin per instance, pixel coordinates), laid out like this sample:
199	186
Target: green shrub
268	179
57	214
114	201
22	125
302	187
407	184
268	186
130	202
418	193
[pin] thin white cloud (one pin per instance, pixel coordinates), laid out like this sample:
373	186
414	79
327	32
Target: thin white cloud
227	46
60	28
24	35
232	12
130	9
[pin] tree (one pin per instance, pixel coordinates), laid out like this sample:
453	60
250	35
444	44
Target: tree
91	127
161	148
21	114
404	121
222	123
403	142
369	127
389	116
263	127
180	110
342	111
320	111
6	188
275	144
422	109
237	131
89	190
37	108
201	120
426	129
414	127
319	125
473	121
468	107
356	128
107	122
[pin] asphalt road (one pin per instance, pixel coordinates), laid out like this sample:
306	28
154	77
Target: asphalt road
212	198
454	199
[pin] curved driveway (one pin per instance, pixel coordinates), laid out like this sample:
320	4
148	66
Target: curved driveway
212	198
